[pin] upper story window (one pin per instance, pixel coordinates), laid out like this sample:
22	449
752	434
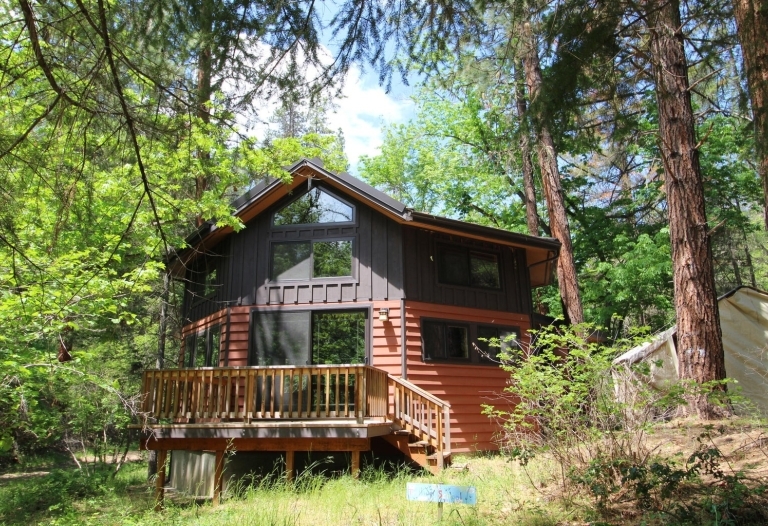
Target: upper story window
467	268
324	251
304	260
210	282
314	207
203	282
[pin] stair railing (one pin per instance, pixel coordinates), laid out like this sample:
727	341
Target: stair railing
422	414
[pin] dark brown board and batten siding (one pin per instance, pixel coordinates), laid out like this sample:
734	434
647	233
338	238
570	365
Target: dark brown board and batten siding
421	283
242	263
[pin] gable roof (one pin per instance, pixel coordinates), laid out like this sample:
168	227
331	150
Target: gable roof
541	252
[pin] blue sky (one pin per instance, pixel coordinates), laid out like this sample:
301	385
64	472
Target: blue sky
361	112
364	109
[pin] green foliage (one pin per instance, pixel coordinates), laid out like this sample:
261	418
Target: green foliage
637	284
58	495
453	159
557	384
657	484
568	403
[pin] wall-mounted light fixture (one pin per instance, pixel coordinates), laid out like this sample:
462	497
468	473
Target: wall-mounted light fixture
384	314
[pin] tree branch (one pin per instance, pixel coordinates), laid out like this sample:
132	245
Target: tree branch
29	19
128	119
34	124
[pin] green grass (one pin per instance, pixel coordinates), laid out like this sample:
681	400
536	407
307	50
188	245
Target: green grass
377	498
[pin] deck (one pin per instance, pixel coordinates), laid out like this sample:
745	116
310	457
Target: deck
289	409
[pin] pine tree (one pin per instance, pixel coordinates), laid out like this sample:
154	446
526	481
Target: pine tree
752	24
700	344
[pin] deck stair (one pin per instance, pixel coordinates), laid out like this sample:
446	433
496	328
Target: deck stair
418	451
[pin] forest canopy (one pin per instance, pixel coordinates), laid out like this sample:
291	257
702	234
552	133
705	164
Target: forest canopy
123	130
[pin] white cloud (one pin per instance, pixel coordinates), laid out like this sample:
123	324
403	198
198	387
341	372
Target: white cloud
362	112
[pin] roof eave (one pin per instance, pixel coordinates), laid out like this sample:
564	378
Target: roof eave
547	243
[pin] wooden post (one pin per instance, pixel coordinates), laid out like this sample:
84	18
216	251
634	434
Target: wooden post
363	394
356	464
162	455
218	477
447	427
289	465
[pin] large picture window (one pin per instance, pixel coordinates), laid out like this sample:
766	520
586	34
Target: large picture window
461	342
303	260
308	337
467	268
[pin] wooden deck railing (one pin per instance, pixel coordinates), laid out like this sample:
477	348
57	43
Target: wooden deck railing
248	393
422	414
243	394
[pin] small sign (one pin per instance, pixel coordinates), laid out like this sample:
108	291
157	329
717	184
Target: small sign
441	493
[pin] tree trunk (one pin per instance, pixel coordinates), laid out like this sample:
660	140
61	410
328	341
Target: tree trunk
160	360
752	28
531	213
204	91
699	340
553	189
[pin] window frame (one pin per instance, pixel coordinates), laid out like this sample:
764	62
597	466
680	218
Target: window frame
199	289
467	252
499	329
252	358
319	188
445	323
193	340
475	352
353	257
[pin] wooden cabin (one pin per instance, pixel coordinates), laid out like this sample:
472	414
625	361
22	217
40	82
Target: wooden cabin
340	319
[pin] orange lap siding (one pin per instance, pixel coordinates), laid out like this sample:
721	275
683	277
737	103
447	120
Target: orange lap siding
467	387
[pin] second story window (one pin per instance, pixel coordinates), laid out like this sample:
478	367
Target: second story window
210	283
313	208
467	268
204	283
302	260
324	226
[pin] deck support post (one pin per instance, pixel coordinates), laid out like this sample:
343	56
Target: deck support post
218	477
162	455
355	464
289	465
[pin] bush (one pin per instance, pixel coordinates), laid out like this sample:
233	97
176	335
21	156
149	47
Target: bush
562	401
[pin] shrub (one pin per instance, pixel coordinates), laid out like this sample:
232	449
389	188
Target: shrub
562	400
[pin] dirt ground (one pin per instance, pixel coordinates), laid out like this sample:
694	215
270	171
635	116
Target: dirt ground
744	446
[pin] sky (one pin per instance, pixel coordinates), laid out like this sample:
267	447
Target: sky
361	112
364	109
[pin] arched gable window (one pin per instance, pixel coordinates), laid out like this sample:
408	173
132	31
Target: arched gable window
326	253
313	208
